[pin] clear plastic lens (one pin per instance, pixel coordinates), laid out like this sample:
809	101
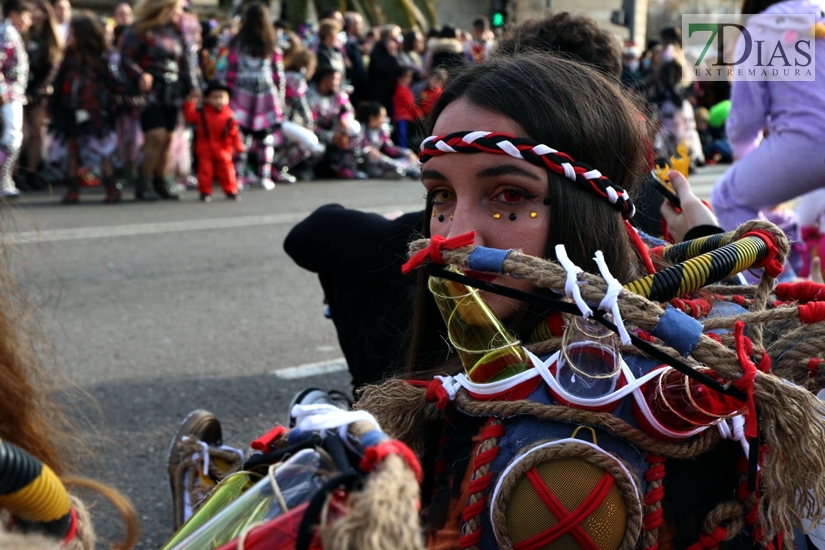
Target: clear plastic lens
589	365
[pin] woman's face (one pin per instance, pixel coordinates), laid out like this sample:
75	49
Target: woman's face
499	197
38	16
174	13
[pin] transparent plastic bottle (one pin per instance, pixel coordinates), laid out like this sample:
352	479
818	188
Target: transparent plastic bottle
487	350
287	485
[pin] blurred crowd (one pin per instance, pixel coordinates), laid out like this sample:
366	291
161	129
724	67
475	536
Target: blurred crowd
165	101
685	111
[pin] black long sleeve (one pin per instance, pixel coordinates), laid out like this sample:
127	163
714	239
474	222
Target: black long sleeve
352	243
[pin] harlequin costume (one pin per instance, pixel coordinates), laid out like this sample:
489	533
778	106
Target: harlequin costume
297	111
14	75
82	116
258	88
388	160
703	436
217	139
329	111
163	53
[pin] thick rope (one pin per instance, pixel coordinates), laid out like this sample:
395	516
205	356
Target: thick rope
654	513
724	523
381	516
691	448
480	484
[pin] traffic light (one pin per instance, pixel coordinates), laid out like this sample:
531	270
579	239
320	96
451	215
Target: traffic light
498	19
498	9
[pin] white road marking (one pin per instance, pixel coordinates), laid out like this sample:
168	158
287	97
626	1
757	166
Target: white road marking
128	230
312	369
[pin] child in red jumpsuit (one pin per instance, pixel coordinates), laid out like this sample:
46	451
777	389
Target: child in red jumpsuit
217	139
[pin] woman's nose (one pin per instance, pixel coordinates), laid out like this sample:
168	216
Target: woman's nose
465	218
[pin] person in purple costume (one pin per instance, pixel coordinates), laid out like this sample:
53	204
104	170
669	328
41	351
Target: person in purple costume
790	161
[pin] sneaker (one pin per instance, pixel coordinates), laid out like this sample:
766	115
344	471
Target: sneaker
191	183
317	396
206	197
282	176
198	460
359	175
233	197
346	174
267	184
9	193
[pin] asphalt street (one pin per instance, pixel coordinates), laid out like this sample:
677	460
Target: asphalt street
156	309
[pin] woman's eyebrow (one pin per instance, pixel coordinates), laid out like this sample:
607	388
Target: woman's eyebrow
432	175
507	170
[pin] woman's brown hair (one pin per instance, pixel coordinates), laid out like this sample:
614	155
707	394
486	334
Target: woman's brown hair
88	38
256	36
47	34
577	110
34	393
153	13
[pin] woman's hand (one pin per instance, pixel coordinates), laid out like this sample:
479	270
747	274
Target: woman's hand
145	82
693	210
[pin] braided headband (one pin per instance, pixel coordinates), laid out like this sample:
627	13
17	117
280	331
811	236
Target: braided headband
533	152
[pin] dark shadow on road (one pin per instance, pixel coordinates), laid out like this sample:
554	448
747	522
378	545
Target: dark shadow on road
135	421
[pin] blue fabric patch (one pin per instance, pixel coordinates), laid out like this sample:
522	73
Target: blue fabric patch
488	260
678	330
372	438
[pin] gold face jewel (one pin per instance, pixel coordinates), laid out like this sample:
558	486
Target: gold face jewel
497	215
533	214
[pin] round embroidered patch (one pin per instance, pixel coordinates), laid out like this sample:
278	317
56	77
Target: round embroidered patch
566	495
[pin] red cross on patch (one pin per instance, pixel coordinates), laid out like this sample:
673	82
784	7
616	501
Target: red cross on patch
569	522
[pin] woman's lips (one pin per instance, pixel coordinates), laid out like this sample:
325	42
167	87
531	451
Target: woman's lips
486	277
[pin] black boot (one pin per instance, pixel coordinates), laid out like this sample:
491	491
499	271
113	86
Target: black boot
162	189
142	191
72	195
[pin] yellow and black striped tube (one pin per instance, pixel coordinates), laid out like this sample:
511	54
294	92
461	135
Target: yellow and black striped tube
32	493
693	274
686	250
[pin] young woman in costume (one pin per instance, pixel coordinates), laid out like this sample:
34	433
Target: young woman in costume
82	108
254	72
520	157
45	51
156	56
691	443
